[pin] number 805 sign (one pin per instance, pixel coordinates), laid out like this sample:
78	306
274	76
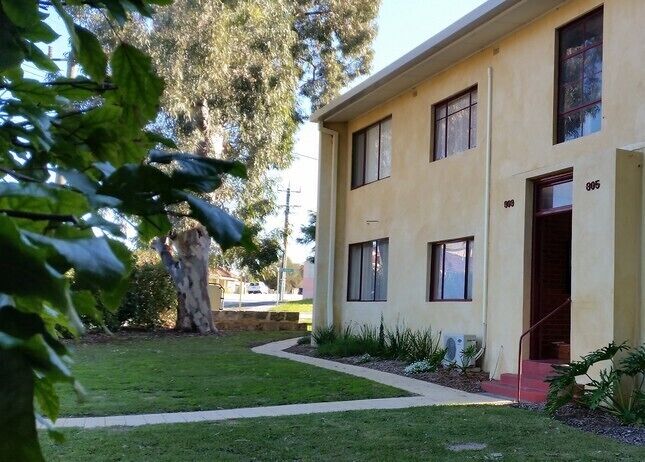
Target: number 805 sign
592	185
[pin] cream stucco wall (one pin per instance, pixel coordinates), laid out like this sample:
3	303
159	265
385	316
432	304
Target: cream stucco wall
425	201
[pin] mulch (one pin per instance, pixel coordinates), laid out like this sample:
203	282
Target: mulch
471	382
597	422
594	421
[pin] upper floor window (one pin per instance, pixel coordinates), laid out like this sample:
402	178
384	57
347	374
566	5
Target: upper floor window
455	124
372	153
367	275
580	77
451	270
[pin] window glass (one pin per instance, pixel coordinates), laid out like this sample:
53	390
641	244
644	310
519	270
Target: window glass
459	103
554	196
458	136
580	78
473	126
440	139
455	125
354	289
451	269
381	270
469	282
358	160
371	155
385	165
367	279
454	282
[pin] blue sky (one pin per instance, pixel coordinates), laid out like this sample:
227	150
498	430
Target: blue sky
402	25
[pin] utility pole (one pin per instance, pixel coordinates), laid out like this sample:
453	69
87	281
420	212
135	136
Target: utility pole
282	279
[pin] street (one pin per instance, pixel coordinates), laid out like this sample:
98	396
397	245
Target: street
255	302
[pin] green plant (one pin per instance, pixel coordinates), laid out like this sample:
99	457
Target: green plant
617	390
151	295
422	345
305	340
396	342
467	355
418	367
324	335
93	133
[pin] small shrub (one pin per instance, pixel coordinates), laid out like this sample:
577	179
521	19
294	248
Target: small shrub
618	390
467	355
151	295
324	335
396	342
306	340
422	345
366	358
418	367
150	300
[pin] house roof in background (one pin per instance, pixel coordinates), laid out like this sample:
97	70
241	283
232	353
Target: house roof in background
477	30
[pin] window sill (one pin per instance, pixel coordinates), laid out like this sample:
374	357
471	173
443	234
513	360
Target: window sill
458	300
454	154
353	188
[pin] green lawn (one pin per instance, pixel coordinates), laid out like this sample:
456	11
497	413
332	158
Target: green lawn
128	376
301	306
414	434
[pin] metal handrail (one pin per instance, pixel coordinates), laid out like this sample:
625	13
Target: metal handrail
526	332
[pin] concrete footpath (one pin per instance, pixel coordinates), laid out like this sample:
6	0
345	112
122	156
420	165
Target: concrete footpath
428	394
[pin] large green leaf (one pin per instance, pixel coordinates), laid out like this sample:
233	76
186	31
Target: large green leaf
24	269
138	85
225	229
23	13
198	173
42	198
90	54
139	187
91	258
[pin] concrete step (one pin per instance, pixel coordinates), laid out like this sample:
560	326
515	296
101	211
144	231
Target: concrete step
495	387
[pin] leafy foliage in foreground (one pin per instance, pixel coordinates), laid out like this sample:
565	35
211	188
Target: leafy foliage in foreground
89	132
617	390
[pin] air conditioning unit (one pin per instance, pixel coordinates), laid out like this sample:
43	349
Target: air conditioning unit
455	345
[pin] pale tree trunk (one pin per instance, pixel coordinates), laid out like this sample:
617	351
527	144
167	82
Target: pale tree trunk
188	268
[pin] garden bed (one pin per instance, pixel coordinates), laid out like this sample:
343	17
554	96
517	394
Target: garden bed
598	422
447	377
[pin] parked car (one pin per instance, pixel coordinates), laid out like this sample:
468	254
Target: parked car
257	288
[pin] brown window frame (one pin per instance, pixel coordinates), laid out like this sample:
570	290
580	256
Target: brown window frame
360	277
432	248
561	60
445	102
363	131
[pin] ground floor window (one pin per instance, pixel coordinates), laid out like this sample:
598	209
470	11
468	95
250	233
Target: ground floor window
367	274
451	270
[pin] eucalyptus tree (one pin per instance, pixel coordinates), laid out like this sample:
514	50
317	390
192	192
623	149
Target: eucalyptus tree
61	248
240	76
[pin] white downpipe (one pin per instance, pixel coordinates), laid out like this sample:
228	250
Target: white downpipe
489	127
332	224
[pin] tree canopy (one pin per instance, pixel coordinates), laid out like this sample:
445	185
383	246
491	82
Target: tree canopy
61	247
242	74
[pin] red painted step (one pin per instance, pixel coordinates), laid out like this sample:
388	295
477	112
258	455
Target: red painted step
534	385
495	387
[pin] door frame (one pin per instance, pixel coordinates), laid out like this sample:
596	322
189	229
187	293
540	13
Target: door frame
550	179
